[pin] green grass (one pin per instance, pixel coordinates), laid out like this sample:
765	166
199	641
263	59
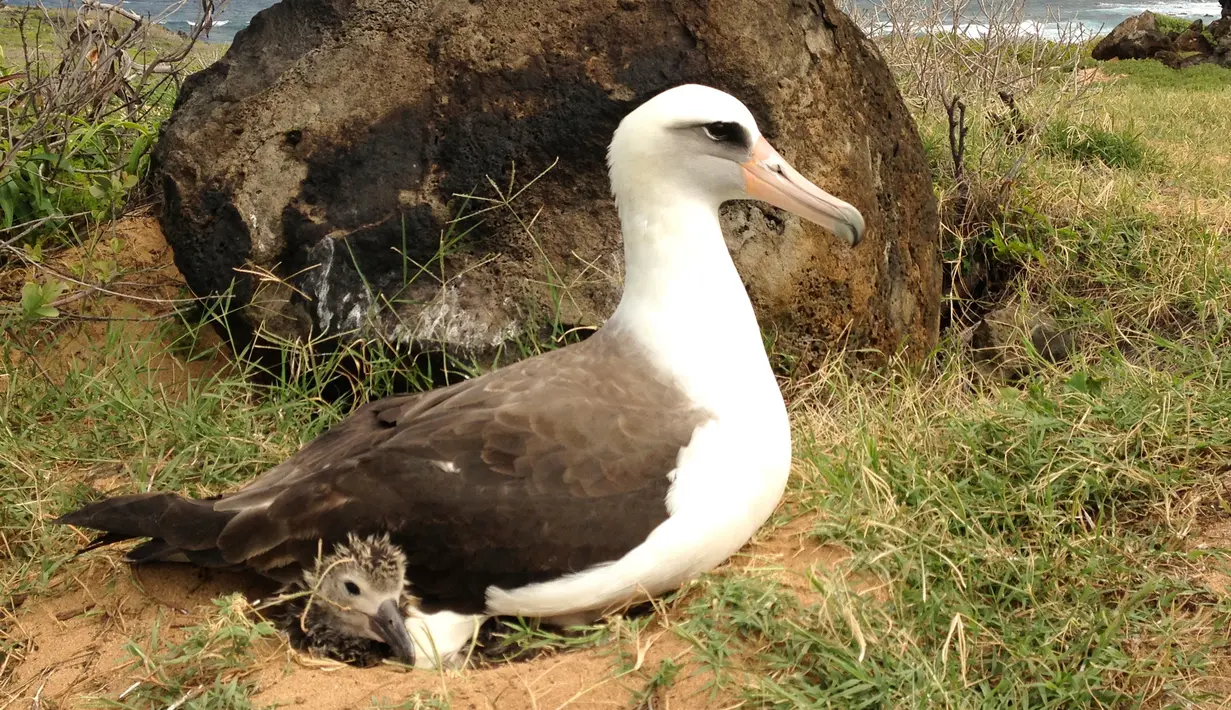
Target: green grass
1086	144
1027	541
1041	544
204	670
1152	75
1037	542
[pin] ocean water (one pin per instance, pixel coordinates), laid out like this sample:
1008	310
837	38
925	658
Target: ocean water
182	16
1049	18
1079	19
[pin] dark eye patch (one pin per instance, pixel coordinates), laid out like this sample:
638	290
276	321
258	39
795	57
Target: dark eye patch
352	589
726	132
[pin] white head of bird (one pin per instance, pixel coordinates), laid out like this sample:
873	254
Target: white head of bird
360	588
698	144
673	161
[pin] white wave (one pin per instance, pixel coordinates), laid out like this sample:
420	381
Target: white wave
1180	8
1069	30
1074	30
216	23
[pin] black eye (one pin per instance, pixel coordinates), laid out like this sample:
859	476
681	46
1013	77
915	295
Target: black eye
725	132
352	589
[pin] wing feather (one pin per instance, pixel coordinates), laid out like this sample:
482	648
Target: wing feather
552	468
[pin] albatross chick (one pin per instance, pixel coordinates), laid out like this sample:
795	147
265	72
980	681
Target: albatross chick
570	484
352	605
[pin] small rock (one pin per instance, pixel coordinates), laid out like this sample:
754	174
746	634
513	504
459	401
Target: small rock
1220	28
1138	37
999	341
1176	61
1169	59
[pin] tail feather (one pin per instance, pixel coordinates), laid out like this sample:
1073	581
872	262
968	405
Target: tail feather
160	551
173	523
104	540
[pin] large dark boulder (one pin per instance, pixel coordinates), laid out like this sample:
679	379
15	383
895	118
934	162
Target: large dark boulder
1138	37
1220	30
324	152
1222	52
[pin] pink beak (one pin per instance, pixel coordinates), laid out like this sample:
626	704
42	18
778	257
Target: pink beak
768	177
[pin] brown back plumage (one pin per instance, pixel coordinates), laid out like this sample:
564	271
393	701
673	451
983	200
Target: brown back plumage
544	467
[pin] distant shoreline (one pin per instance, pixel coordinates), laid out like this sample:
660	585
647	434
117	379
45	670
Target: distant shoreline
1051	20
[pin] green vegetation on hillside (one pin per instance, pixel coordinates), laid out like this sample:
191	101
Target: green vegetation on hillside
1169	23
83	95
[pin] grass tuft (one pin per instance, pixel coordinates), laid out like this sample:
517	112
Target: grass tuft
1154	75
205	670
1169	24
1090	144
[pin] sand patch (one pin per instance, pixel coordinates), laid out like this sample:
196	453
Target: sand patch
1093	75
135	292
794	558
72	640
1213	534
1215	574
72	653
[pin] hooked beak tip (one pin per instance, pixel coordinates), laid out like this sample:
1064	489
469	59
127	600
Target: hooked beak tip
768	177
391	627
855	227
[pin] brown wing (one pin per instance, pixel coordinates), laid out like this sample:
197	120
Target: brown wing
548	466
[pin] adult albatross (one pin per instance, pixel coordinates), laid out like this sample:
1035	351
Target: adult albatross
571	483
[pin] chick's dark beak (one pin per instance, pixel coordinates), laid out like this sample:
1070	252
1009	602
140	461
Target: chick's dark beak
390	626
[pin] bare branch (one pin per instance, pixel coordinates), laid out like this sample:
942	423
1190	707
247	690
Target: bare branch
80	73
958	129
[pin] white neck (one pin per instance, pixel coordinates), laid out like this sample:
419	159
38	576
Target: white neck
684	301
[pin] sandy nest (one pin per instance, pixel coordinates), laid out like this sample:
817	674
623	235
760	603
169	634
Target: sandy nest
73	640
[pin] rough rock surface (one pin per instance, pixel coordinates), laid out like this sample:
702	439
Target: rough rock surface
327	146
1193	39
1138	37
1008	340
1220	28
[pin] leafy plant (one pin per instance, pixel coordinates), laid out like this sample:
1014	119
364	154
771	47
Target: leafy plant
37	299
80	117
1168	24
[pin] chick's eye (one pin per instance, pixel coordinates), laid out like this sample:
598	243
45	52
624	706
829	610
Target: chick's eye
724	132
352	589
